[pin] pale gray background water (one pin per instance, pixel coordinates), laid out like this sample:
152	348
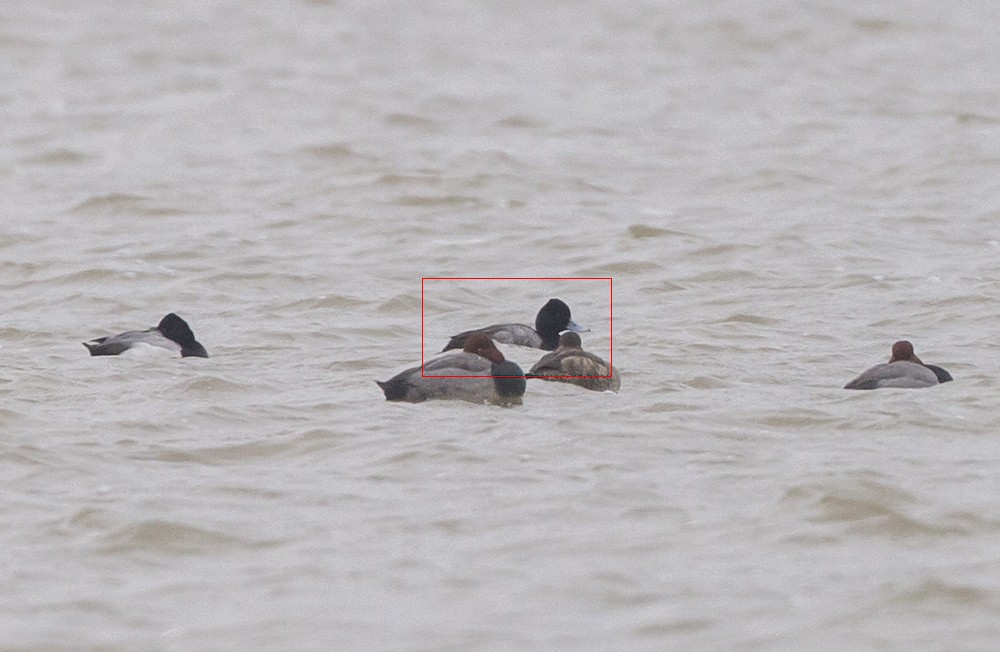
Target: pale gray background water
780	189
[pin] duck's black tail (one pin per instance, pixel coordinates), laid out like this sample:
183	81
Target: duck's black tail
394	388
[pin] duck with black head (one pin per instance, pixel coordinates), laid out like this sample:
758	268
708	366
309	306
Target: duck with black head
553	318
172	333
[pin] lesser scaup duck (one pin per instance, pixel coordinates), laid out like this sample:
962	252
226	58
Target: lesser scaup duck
904	369
501	381
569	363
552	319
171	333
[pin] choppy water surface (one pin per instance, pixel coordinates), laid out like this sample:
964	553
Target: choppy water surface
778	189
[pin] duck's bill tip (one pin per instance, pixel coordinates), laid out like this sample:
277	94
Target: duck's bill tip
576	328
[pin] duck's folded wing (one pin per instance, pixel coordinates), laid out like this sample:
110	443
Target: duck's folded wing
547	365
518	334
115	344
458	364
571	363
895	374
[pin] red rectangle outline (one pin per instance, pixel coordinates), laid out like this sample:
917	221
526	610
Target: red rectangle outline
611	314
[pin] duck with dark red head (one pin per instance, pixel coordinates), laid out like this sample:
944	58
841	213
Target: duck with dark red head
479	374
904	369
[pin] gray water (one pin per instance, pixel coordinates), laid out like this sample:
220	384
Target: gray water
779	190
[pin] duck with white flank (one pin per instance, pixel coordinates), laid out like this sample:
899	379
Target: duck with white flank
172	333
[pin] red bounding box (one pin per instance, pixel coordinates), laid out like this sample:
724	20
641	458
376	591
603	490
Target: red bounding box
543	289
